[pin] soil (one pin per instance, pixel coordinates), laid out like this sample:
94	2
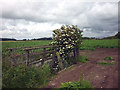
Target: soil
98	75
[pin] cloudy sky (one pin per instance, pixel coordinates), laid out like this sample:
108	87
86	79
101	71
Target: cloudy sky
36	19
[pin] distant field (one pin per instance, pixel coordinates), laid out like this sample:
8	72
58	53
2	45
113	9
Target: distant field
14	44
86	44
106	43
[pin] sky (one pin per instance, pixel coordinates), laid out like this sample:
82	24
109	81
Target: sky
28	19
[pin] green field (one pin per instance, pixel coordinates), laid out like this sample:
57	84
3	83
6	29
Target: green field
106	43
86	44
15	44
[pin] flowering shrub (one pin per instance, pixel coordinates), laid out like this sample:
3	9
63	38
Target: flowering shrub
68	38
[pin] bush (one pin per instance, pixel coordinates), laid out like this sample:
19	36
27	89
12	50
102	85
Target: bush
77	84
69	39
25	77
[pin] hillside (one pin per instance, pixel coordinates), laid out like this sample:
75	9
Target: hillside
7	39
117	36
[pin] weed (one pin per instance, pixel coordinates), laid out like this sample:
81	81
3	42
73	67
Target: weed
106	63
76	84
108	58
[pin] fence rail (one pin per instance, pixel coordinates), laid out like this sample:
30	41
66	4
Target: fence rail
50	50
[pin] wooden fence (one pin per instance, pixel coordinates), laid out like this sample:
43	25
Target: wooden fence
43	53
38	55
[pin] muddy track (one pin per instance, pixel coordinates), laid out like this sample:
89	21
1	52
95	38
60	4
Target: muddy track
99	76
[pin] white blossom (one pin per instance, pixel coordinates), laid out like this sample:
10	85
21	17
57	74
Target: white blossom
63	35
40	59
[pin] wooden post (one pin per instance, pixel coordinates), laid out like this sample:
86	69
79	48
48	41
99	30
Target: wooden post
77	52
59	60
53	56
44	56
27	57
54	48
74	52
13	57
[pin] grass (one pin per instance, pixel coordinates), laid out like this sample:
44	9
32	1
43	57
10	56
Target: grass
87	48
23	44
108	58
83	59
106	63
86	44
105	43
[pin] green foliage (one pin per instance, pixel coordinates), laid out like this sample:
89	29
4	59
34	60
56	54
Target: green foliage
83	59
106	63
108	58
25	77
77	84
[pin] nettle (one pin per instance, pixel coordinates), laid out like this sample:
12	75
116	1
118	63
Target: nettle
68	38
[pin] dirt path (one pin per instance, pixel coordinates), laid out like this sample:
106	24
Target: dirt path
99	76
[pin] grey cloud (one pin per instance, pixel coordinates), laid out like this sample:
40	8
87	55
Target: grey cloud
34	11
107	22
101	17
46	12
